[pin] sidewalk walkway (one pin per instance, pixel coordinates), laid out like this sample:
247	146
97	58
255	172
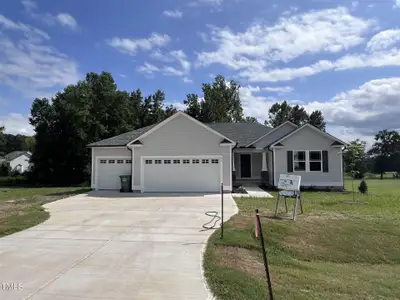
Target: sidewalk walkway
254	191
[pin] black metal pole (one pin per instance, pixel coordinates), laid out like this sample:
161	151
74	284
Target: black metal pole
271	296
222	210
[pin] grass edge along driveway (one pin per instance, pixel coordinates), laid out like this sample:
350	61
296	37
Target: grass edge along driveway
336	250
21	207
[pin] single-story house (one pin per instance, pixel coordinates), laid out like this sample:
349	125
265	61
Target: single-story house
18	160
181	154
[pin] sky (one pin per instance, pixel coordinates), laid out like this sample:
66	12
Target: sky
341	57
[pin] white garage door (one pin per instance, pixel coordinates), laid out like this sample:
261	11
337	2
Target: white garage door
181	174
109	171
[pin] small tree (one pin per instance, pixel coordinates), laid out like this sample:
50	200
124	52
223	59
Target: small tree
5	168
363	188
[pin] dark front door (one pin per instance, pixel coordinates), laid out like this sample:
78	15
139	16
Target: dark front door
245	165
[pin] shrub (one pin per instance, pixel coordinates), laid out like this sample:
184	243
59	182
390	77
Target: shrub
5	169
363	188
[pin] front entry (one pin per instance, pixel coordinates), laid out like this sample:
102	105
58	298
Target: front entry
245	165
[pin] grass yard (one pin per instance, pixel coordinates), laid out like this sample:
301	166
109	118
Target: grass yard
21	208
336	250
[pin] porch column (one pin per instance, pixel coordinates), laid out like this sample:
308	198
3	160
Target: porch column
233	162
264	162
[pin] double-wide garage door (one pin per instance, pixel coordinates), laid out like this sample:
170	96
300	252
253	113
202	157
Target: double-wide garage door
181	174
109	171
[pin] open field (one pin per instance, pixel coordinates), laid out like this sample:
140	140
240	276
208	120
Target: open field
21	208
336	250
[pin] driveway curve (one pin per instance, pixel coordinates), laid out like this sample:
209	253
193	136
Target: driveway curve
107	245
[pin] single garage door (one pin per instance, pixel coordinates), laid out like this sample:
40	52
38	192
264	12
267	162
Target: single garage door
181	174
109	171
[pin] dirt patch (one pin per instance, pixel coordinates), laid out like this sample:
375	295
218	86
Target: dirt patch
241	222
240	259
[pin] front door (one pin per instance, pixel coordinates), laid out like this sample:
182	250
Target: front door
245	165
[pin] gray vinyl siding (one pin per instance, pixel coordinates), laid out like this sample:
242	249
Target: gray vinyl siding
275	135
182	137
107	151
309	139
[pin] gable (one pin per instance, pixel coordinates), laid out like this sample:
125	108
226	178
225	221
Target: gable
275	134
307	137
181	127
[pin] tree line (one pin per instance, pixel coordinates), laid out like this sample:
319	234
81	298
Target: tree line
17	142
382	157
94	109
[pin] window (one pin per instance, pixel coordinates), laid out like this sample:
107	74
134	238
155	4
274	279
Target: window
128	161
111	161
103	161
315	161
120	161
167	161
149	161
214	161
177	161
299	160
205	161
186	161
195	161
307	161
158	161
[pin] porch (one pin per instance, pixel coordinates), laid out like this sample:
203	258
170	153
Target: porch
250	166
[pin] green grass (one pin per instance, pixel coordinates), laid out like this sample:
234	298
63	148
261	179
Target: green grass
21	208
337	249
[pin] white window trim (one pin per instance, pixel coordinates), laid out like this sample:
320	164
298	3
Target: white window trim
307	161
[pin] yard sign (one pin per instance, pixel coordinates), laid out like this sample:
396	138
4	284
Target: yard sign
289	187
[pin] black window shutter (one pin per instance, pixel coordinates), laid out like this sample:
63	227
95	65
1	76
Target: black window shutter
290	161
325	164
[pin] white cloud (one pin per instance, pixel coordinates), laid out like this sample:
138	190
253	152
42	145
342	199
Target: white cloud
67	20
63	19
357	113
351	61
187	80
16	124
396	4
278	89
328	30
371	107
132	46
31	66
176	14
213	3
28	30
29	5
384	39
175	56
354	4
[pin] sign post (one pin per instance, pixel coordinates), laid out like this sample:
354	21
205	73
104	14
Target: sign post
289	187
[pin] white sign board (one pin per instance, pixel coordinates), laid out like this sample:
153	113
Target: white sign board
289	182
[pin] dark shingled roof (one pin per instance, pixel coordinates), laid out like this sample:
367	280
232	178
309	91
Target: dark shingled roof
241	133
13	155
122	139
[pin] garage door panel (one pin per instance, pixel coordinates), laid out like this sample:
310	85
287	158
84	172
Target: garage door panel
189	175
109	171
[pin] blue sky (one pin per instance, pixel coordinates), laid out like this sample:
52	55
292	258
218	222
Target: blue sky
338	56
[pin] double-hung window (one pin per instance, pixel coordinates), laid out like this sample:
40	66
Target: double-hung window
307	161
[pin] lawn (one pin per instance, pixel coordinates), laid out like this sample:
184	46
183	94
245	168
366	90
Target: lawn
21	208
336	250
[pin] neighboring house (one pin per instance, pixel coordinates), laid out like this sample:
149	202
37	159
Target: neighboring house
182	154
18	160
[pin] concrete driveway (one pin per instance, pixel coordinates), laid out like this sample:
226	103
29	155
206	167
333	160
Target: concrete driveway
106	245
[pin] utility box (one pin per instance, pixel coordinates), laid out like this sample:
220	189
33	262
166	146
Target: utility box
125	183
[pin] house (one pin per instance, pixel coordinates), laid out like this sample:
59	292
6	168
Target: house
18	160
182	154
